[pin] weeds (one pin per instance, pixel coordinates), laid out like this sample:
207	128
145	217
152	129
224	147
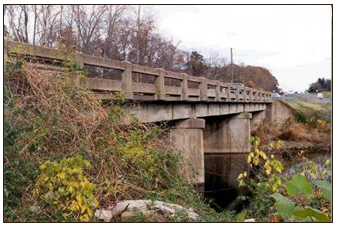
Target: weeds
50	117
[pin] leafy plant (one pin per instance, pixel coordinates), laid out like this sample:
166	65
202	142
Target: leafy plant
262	179
264	169
300	194
62	188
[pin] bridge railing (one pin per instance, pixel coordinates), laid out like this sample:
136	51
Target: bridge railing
141	82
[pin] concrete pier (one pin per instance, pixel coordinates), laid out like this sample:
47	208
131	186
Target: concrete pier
187	137
229	134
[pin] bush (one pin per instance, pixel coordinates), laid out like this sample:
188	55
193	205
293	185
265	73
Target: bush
62	188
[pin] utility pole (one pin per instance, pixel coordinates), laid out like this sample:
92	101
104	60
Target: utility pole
232	64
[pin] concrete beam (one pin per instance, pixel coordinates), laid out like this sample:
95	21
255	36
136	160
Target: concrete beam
163	111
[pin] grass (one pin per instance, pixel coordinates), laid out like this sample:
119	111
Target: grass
305	110
327	94
313	124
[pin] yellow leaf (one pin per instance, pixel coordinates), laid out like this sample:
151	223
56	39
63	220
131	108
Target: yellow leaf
83	208
62	175
249	157
268	170
256	160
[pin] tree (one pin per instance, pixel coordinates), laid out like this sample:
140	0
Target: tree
196	64
322	84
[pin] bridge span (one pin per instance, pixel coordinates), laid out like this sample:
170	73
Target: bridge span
210	117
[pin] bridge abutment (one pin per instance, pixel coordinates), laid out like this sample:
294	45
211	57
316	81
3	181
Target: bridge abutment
187	136
258	118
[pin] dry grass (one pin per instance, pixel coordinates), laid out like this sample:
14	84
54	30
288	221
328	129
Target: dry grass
52	118
309	132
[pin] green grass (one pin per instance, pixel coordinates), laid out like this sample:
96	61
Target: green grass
305	110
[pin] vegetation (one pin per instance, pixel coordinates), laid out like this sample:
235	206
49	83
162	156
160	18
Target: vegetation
306	201
306	197
55	130
312	124
308	110
63	189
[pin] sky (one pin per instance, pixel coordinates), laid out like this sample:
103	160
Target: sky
292	42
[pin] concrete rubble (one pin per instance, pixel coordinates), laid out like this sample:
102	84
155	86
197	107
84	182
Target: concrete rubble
149	209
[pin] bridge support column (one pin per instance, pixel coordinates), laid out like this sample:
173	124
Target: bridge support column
187	137
228	134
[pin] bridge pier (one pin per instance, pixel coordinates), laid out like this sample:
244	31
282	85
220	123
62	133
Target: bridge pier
187	136
229	134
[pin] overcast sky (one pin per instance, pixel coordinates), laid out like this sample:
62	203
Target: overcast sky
293	42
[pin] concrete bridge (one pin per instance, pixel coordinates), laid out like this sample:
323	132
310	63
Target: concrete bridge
210	117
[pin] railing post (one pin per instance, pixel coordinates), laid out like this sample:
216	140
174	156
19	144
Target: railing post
251	95
237	94
184	87
79	60
258	96
160	85
203	89
217	91
228	92
127	81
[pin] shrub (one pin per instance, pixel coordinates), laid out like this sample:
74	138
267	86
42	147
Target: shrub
262	180
63	189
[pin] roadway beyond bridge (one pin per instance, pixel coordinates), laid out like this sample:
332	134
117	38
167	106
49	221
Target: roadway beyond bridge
210	117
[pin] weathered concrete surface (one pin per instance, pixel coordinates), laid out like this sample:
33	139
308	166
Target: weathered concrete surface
160	111
187	137
258	118
279	113
228	134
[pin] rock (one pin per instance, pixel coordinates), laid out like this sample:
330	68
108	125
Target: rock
105	215
250	220
151	210
34	208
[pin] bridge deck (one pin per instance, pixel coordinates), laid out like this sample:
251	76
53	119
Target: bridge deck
139	82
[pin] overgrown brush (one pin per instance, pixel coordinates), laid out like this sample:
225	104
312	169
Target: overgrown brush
52	116
314	131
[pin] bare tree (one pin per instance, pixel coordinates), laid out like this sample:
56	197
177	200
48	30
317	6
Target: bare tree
113	18
18	22
89	26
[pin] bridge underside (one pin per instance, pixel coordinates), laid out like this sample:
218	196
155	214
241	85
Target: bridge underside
160	111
